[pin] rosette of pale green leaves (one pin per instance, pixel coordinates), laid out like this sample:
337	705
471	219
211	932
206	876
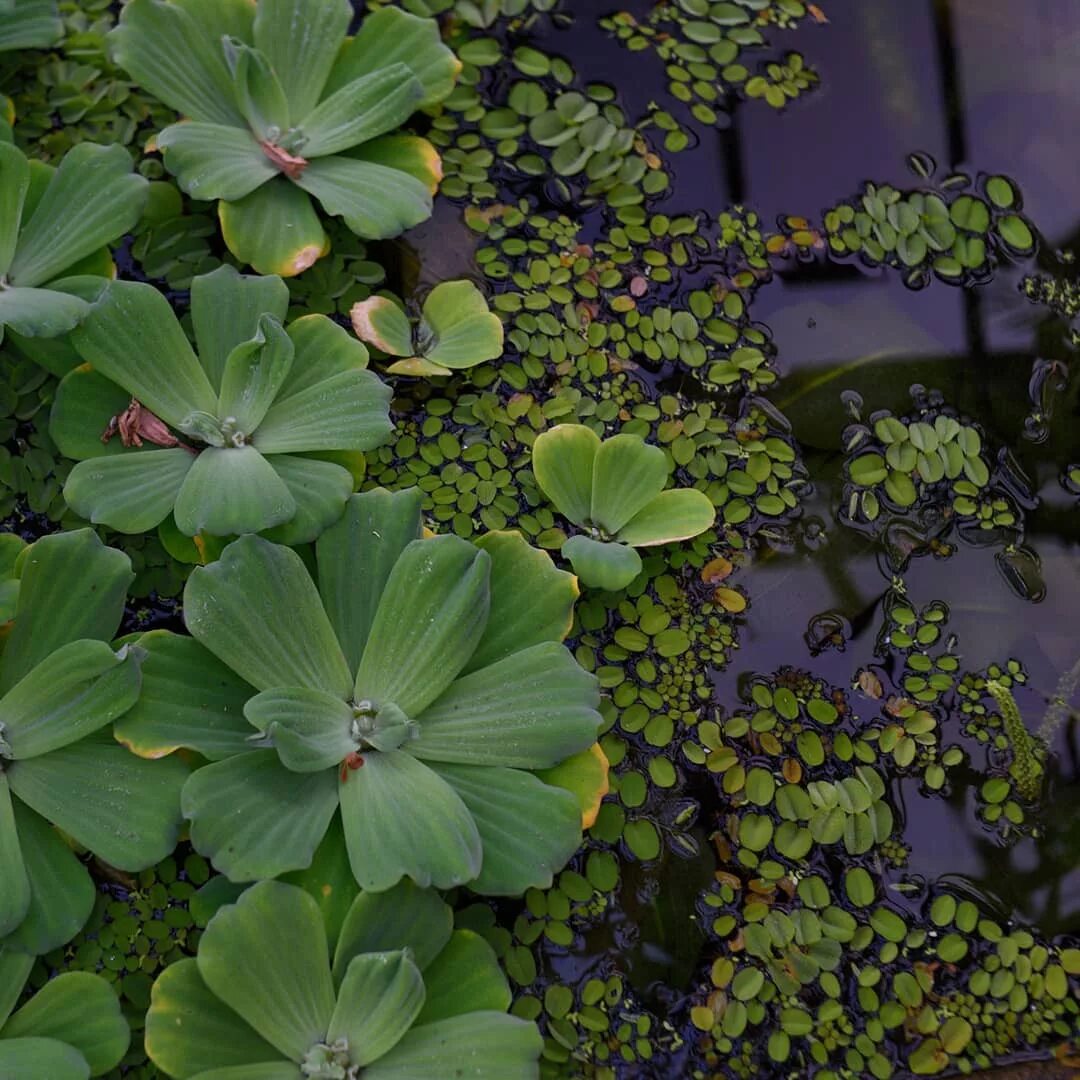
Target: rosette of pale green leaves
412	686
71	1029
283	107
61	685
250	434
54	223
399	995
614	490
456	330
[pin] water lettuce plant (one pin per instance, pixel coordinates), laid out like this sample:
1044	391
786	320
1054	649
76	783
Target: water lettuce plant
61	685
53	225
413	685
614	490
247	435
276	117
401	996
71	1029
29	24
456	330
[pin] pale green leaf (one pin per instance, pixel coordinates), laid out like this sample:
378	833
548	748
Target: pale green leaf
132	492
124	809
672	515
190	1031
41	1057
40	312
465	977
378	999
430	618
375	201
528	829
214	161
275	229
33	24
240	607
258	91
458	330
253	818
602	565
322	349
14	182
372	105
133	337
319	489
254	373
404	916
225	310
627	475
266	957
482	1046
402	820
309	728
562	461
84	404
15	895
231	491
15	969
356	556
81	1010
92	199
301	38
189	698
72	587
528	711
381	322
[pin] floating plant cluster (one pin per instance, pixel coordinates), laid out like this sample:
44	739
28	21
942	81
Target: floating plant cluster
331	657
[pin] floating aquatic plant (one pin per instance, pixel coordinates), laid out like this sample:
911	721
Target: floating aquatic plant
247	435
29	24
276	118
615	490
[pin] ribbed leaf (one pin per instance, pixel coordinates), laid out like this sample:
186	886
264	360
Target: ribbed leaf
356	556
672	515
586	777
239	606
15	969
460	327
407	153
131	492
189	698
92	199
301	38
232	491
531	600
562	461
370	106
378	1000
528	829
275	229
391	36
72	587
61	891
81	687
528	711
124	809
405	916
322	349
215	161
266	957
319	489
177	58
429	621
133	337
41	1057
15	894
263	1070
254	374
222	18
14	182
225	310
41	312
482	1046
85	402
381	322
348	411
627	475
309	728
190	1031
34	24
464	978
80	1009
253	818
601	564
402	820
377	202
258	91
